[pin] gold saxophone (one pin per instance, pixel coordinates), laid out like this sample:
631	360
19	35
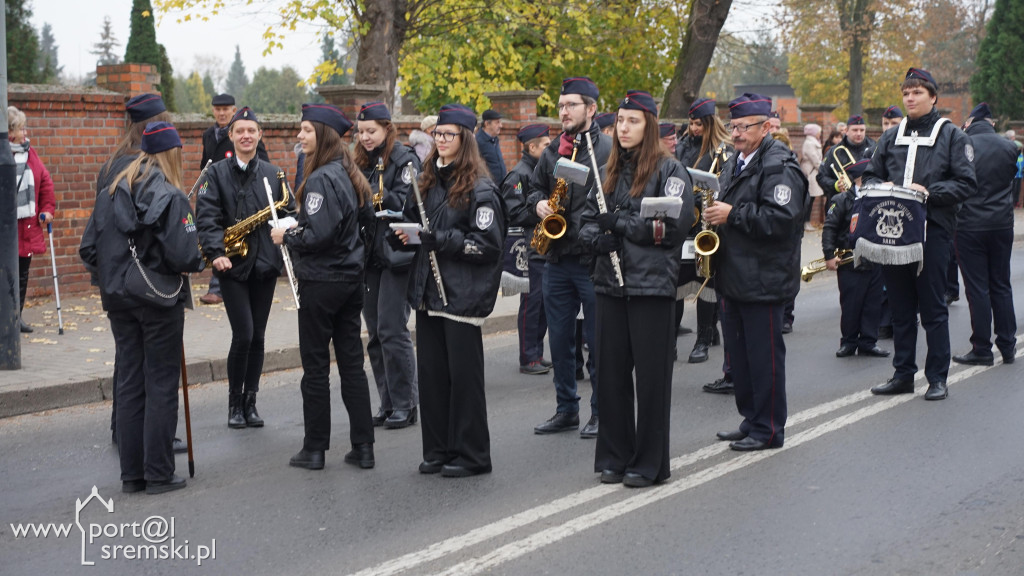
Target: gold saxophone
235	235
378	198
553	226
706	243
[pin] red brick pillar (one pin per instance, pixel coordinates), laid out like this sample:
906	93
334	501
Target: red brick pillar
517	108
350	98
128	78
820	114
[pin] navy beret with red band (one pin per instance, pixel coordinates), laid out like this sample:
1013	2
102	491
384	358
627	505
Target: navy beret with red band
580	85
456	114
531	131
327	115
702	107
639	100
374	111
159	136
892	112
144	106
750	104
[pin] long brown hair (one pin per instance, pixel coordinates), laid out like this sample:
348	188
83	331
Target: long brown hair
133	136
645	158
168	161
362	157
467	167
714	134
330	147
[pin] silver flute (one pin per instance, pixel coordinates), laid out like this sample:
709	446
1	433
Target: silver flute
410	173
602	206
284	249
198	180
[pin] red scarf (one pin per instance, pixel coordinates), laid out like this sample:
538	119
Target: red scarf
565	144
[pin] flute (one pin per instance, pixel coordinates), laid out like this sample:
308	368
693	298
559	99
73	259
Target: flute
602	206
410	172
198	180
284	249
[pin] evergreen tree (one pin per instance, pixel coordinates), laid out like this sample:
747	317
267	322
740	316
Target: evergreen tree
143	48
190	94
237	80
211	90
105	48
49	67
999	77
22	44
166	86
274	91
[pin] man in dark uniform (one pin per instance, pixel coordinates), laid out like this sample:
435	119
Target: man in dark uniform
891	117
567	282
490	147
928	154
984	238
667	131
860	146
531	323
606	122
759	215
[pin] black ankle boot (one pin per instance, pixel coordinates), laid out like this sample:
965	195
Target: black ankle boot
252	417
236	417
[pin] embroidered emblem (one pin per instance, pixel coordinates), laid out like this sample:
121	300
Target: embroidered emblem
674	187
204	188
890	223
853	222
969	152
314	200
519	252
189	224
407	175
783	194
484	218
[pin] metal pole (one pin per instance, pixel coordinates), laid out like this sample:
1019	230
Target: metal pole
10	333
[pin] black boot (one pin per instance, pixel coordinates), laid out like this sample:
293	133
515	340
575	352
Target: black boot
236	417
252	417
705	332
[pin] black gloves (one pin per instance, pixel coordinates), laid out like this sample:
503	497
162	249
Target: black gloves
394	241
607	221
428	241
605	243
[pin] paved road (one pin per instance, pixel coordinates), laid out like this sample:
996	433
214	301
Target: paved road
865	485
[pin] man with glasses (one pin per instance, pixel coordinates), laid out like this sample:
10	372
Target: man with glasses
759	215
566	281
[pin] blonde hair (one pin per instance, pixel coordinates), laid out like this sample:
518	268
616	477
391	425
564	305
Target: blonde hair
15	118
168	161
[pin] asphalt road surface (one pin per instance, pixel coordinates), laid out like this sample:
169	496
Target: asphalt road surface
865	485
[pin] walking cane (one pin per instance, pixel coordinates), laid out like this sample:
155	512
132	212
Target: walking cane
53	263
188	414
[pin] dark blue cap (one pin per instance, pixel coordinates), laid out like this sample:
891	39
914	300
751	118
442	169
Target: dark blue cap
856	170
328	115
605	119
981	111
855	120
892	112
702	107
374	111
580	85
666	129
750	104
245	113
921	75
145	106
491	115
456	114
531	131
774	114
159	136
223	100
639	100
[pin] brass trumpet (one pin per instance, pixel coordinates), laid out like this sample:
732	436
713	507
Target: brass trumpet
807	273
841	176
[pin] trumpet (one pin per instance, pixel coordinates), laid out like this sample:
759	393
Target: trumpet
841	176
807	273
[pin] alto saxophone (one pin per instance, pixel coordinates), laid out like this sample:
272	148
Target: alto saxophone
378	198
235	243
553	226
706	243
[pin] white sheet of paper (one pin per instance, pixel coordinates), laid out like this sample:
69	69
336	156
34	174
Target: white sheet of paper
661	207
410	228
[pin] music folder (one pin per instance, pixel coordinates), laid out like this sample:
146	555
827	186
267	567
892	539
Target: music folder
662	207
705	180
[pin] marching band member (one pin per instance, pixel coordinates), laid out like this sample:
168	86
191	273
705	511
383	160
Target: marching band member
891	118
382	159
860	146
941	164
335	204
606	122
667	133
860	287
984	239
532	323
760	222
233	192
143	219
634	322
467	228
567	282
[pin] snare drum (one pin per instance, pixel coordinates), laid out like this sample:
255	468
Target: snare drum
887	225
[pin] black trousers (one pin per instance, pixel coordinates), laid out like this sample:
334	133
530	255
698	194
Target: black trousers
330	313
450	360
532	322
984	258
952	280
248	307
24	262
635	334
148	368
757	359
860	300
924	293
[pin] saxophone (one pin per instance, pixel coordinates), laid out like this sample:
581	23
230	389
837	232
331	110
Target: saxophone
553	226
235	235
378	198
706	242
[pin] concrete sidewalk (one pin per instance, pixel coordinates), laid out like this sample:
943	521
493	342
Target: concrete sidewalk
76	367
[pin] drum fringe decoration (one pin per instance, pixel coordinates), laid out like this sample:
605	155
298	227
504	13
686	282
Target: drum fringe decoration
512	284
889	255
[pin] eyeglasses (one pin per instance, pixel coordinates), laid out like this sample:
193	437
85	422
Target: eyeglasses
570	106
444	136
740	127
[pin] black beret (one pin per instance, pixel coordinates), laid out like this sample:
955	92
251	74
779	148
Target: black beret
159	136
981	111
605	119
580	85
892	112
328	115
702	107
531	131
245	113
456	114
374	111
750	104
144	106
921	75
666	129
491	115
639	100
855	120
856	170
223	100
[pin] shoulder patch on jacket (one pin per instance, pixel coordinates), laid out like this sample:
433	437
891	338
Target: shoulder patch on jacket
969	152
674	187
783	194
314	201
484	217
